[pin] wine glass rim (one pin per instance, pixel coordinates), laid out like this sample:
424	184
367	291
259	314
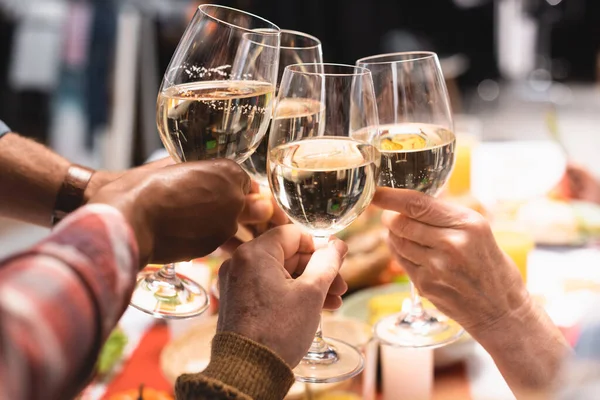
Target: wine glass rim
276	29
358	71
388	58
302	34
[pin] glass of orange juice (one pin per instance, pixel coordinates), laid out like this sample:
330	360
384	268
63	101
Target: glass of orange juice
468	135
518	244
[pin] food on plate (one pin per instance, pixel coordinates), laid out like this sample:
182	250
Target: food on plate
142	394
553	222
111	352
368	257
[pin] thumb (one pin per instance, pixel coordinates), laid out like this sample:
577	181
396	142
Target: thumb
325	265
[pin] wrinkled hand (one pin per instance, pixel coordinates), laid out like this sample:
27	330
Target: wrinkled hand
179	212
452	257
261	300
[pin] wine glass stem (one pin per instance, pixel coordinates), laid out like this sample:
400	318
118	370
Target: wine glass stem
319	345
168	272
416	306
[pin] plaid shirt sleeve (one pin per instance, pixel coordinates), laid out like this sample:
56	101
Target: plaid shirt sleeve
59	301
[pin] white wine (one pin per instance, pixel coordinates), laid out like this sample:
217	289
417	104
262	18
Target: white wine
324	184
416	156
291	115
214	119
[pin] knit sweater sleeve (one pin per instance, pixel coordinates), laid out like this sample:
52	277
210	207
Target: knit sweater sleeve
239	369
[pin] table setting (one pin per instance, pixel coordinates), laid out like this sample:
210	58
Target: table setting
320	138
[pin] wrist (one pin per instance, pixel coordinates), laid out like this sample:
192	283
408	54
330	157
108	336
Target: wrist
135	216
70	195
97	181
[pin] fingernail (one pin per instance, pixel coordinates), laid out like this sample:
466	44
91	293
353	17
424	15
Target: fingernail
340	246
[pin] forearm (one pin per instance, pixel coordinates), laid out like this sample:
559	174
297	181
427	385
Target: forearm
239	369
60	300
30	180
527	348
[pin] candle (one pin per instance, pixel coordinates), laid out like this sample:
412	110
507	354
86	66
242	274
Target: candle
407	373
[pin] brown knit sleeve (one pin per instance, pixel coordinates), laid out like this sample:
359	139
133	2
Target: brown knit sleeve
239	369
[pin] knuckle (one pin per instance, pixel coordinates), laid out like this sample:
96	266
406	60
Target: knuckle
477	223
244	254
224	271
418	207
401	225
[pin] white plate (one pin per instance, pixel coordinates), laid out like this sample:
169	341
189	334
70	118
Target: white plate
516	170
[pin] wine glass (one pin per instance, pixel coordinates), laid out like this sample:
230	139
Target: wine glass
214	102
417	152
323	170
295	48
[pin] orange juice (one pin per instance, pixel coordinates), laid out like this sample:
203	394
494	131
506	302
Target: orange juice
460	180
517	244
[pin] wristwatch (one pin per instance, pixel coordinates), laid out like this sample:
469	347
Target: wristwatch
70	195
4	129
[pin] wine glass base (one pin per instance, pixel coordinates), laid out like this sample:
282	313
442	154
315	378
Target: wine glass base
341	363
431	330
180	298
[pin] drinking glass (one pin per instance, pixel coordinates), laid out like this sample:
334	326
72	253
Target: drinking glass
214	102
295	48
323	170
417	152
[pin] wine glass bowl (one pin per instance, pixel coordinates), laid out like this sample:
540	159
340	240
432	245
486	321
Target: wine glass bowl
417	144
216	97
323	169
295	48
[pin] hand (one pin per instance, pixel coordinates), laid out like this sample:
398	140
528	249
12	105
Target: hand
581	184
452	257
260	213
261	300
261	208
179	212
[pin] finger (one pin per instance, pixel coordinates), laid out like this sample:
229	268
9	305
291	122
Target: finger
231	245
411	229
284	242
257	209
409	250
338	287
325	265
297	263
332	303
421	207
279	217
410	267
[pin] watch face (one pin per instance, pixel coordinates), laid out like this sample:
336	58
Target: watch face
4	129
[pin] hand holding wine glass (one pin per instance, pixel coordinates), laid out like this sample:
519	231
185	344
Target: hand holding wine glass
417	149
323	170
214	102
171	224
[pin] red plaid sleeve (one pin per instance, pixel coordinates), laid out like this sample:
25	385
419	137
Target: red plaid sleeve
59	301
